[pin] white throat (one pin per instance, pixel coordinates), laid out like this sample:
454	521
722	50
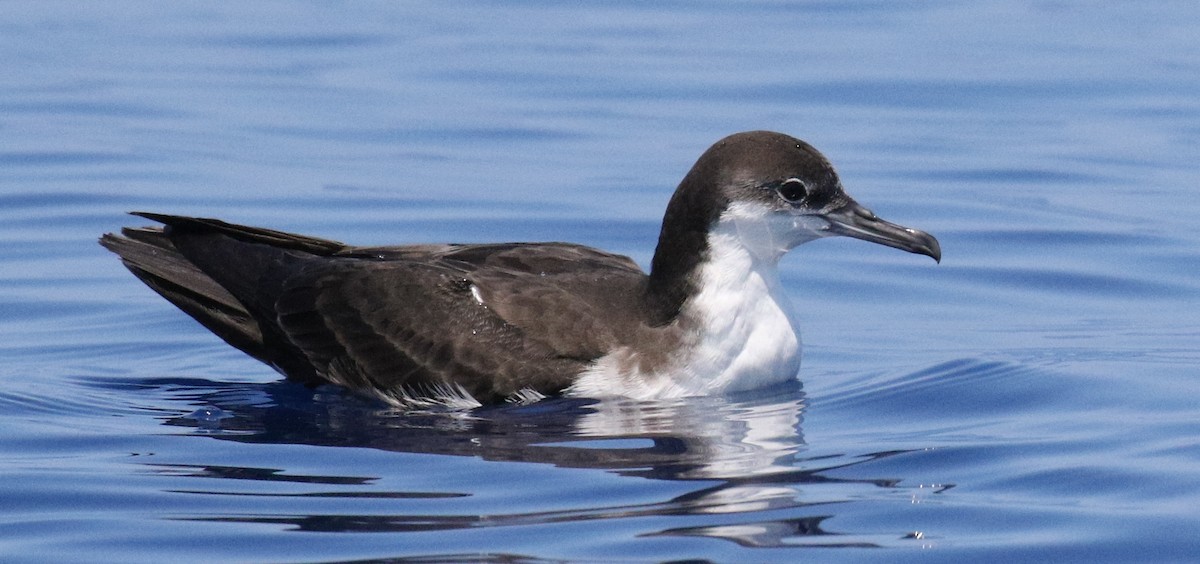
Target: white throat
741	331
748	334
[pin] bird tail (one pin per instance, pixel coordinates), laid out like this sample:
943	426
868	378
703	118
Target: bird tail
151	256
225	276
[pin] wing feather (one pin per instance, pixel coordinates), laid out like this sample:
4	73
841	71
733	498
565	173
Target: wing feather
400	325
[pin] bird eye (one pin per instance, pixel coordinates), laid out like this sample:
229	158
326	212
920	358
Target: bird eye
792	190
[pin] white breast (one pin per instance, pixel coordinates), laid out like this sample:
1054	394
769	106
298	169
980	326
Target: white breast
742	335
750	336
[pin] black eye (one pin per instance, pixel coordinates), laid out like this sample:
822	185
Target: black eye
792	190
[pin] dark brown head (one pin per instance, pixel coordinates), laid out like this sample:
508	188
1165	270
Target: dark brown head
775	192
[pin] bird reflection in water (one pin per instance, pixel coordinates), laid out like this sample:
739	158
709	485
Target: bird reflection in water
745	452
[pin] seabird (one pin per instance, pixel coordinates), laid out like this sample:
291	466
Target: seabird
466	324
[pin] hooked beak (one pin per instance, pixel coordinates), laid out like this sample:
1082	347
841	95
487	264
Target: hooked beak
853	220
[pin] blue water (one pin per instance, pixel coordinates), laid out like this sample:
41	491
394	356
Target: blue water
1035	396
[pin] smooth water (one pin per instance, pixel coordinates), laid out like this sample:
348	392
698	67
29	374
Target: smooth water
1034	397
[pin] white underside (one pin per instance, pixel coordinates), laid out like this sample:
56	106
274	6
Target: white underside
745	333
448	396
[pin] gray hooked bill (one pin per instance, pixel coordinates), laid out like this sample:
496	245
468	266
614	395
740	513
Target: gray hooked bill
853	220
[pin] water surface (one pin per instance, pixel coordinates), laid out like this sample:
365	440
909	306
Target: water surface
1032	397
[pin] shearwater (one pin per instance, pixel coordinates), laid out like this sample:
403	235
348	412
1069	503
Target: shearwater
466	324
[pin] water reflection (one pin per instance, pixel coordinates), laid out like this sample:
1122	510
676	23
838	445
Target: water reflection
746	453
770	534
699	438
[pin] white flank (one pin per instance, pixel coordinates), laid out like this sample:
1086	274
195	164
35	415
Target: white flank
448	395
525	396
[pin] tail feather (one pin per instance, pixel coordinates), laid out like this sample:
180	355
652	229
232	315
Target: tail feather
149	254
225	276
245	233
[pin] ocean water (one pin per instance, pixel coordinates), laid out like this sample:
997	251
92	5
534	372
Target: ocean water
1034	397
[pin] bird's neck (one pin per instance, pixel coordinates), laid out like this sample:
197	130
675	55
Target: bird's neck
740	238
683	246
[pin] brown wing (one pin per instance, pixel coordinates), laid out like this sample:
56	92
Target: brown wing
404	327
404	321
474	316
568	297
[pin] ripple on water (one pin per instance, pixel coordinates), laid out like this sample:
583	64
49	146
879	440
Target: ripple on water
961	389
